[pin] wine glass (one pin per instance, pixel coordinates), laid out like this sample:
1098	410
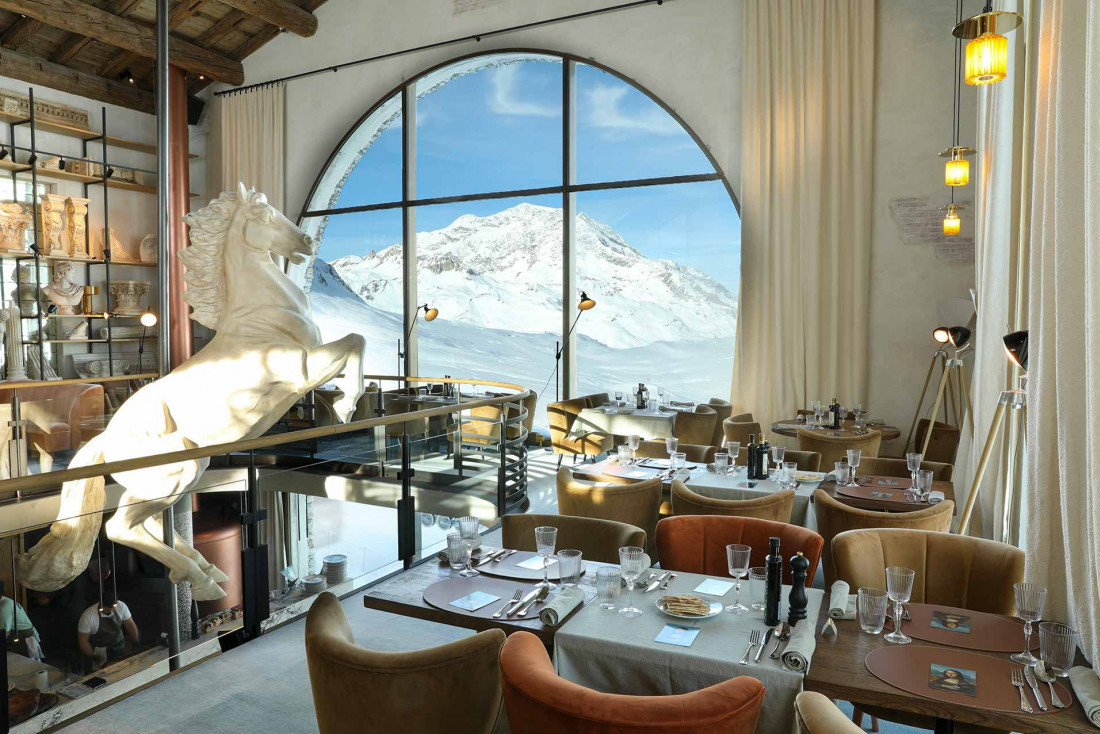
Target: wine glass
546	539
899	587
618	398
819	415
661	395
631	560
778	453
468	528
634	441
733	448
854	456
671	444
860	420
1029	607
913	461
738	557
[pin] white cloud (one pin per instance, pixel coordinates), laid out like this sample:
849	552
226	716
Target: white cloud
503	98
605	112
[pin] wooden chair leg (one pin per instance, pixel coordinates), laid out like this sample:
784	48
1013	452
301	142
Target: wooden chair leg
857	716
874	724
560	457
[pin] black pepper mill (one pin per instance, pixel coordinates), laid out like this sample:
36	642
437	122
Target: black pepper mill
773	584
797	599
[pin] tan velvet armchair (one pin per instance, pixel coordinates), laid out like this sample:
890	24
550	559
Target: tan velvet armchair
777	507
692	452
835	448
804	460
740	430
723	409
597	540
562	416
633	503
815	714
696	427
453	687
885	467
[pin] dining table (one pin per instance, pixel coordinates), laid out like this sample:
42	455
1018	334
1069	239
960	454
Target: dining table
884	494
789	428
627	421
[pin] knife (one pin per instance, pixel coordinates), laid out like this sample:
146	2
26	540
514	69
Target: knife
657	582
1029	676
491	556
526	598
767	636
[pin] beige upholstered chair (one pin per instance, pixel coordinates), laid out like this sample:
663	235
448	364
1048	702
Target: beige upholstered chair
815	714
804	460
696	427
777	507
724	410
835	448
885	467
453	687
944	444
633	503
740	431
529	403
562	416
835	517
692	452
415	427
595	400
742	418
597	540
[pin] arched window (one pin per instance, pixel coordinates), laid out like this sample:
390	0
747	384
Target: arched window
455	190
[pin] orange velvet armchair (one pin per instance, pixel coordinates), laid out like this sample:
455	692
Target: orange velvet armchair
540	702
697	543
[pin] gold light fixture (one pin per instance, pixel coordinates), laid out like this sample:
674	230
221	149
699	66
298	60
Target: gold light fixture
957	169
987	50
430	313
586	303
951	222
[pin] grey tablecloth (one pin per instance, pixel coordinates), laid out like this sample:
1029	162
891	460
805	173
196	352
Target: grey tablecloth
642	423
599	649
732	487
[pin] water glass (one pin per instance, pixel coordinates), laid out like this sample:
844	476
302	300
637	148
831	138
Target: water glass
624	454
618	398
733	448
651	405
546	539
871	605
678	461
841	471
569	566
924	483
899	587
631	560
456	551
633	442
737	556
721	463
608	580
470	529
671	444
790	469
758	582
854	456
1057	647
1030	599
860	420
913	462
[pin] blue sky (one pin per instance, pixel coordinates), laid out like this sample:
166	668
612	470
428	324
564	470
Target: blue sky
500	129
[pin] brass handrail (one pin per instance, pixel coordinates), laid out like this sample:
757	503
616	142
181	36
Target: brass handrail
18	484
23	384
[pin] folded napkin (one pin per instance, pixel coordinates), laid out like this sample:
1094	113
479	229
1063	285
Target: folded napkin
563	603
444	558
681	405
935	497
666	409
842	605
1087	687
800	648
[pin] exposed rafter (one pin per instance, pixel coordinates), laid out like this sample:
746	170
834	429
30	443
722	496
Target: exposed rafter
55	76
279	13
179	14
18	32
76	42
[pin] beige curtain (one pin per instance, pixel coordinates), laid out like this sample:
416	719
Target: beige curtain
1061	509
808	88
252	142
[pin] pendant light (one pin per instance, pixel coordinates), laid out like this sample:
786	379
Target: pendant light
957	169
987	50
951	222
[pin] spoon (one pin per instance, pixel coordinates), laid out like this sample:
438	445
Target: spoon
1045	676
543	593
782	632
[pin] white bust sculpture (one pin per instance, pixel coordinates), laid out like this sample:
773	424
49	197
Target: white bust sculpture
62	291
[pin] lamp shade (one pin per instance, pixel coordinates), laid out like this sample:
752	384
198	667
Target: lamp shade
149	319
959	336
951	223
1016	348
986	59
430	313
940	334
586	303
957	172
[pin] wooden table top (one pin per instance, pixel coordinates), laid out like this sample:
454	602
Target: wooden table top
404	594
784	428
838	671
868	503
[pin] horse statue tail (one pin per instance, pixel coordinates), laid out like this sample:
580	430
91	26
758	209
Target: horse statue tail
63	555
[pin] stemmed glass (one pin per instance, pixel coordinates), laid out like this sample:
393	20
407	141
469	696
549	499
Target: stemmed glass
468	528
913	461
634	442
859	418
738	557
819	415
631	560
854	456
546	539
1029	607
899	587
618	398
671	444
733	448
661	396
778	454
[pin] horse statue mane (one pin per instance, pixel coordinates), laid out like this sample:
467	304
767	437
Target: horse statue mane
205	276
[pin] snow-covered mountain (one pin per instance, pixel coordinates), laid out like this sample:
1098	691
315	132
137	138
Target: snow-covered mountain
504	272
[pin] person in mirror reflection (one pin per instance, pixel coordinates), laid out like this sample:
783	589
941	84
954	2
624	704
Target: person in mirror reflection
21	636
104	629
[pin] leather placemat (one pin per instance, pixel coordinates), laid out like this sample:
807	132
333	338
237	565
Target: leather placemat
988	632
909	667
442	593
888	483
509	568
866	493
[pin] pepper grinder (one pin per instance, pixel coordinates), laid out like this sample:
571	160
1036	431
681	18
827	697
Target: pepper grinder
796	605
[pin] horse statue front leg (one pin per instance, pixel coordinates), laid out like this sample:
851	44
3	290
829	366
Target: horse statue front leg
326	362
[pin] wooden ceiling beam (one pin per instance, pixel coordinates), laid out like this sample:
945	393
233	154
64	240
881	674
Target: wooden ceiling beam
40	72
76	42
279	13
177	16
222	28
80	17
18	32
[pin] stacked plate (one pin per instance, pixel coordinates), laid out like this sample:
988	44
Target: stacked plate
335	568
314	584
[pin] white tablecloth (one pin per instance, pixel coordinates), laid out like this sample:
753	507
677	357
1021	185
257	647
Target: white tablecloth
601	650
628	422
735	487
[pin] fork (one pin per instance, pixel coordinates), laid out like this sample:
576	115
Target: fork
515	597
754	640
664	584
1018	681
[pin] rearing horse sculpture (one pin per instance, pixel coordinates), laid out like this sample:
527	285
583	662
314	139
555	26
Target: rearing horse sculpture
266	355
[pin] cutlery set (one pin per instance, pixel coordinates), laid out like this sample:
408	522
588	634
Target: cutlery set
495	557
759	640
519	606
1032	676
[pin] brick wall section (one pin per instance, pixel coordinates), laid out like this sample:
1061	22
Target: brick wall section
920	222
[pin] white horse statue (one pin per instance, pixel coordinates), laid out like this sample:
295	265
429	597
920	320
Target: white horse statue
266	355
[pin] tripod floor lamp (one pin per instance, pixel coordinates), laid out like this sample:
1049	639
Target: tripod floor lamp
954	391
585	304
1015	403
429	315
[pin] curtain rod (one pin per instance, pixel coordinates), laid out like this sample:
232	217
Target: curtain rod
439	44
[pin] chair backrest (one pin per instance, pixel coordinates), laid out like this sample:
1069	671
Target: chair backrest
435	689
816	714
539	701
529	403
834	517
692	452
742	418
740	431
482	432
416	427
561	416
697	543
634	503
887	467
952	570
776	507
597	540
835	448
696	427
804	460
595	400
723	409
944	444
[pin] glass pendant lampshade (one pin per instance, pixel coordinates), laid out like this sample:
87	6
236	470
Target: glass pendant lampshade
957	172
951	223
986	59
